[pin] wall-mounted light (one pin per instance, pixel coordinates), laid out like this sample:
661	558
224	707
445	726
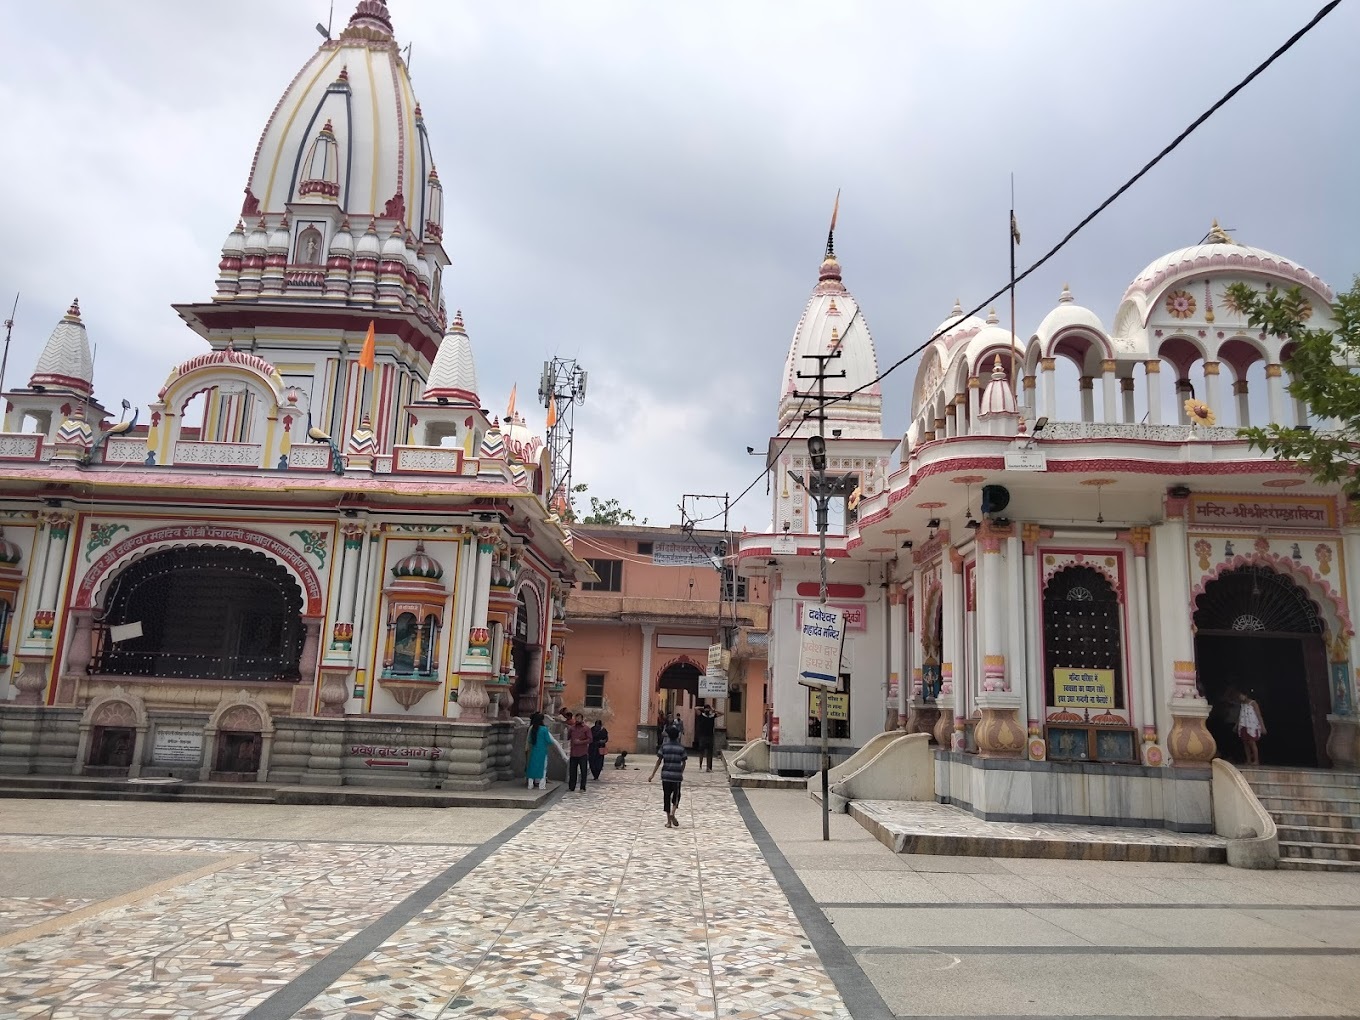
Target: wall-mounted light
906	544
933	523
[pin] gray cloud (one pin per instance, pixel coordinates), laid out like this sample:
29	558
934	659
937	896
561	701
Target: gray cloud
646	187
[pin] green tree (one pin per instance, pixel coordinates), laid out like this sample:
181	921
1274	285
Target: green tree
604	511
1322	375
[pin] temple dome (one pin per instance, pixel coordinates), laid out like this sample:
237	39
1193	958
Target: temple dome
522	442
66	362
1067	314
831	321
454	372
348	132
418	564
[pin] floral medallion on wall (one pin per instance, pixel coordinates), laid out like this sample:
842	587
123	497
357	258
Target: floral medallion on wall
1181	304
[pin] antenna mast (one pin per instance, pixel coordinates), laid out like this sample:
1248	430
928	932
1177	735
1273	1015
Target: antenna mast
561	388
9	328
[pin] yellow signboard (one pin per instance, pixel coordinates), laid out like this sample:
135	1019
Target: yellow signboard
1083	688
837	706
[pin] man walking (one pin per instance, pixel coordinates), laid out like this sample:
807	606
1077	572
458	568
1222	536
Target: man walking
704	723
578	737
599	743
670	760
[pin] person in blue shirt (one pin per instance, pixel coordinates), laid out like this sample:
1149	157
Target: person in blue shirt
670	760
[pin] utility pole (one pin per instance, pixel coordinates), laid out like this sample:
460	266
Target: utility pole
822	489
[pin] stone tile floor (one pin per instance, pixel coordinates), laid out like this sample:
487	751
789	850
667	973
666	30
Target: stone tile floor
593	910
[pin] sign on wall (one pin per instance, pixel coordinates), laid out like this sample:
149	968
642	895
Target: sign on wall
177	745
680	554
1263	511
837	706
1083	688
712	685
855	614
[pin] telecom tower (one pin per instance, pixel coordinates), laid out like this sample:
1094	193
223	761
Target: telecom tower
562	387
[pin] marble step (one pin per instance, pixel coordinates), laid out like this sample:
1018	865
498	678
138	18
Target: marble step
1307	805
1320	851
1315	791
1323	777
1309	864
1318	834
1321	819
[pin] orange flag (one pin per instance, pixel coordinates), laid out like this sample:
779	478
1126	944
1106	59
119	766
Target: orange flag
510	411
552	412
366	359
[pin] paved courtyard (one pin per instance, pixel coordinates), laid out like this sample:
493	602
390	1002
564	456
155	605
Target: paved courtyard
591	908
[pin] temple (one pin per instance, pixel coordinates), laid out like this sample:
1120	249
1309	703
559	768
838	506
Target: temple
317	557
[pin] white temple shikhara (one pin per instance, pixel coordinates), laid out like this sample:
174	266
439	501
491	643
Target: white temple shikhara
314	560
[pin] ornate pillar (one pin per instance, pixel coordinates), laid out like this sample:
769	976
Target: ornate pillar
472	694
974	401
897	641
1183	387
1152	372
1139	596
1035	694
1108	388
1126	392
1047	368
1189	742
1343	744
1275	393
342	633
1211	387
54	565
1086	387
951	427
363	603
1243	404
1028	385
645	696
953	699
998	733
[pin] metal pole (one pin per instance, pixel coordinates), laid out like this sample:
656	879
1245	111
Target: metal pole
822	512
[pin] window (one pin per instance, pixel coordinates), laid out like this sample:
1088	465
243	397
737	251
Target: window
594	690
837	712
610	573
727	586
734	700
644	548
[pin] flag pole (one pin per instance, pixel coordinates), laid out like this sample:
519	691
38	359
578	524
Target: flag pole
1015	239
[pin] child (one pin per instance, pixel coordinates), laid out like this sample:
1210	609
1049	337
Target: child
1251	728
670	759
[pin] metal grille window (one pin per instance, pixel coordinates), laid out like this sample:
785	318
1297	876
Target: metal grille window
610	573
594	690
733	587
1081	626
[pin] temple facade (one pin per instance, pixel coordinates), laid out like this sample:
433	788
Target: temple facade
315	557
1070	556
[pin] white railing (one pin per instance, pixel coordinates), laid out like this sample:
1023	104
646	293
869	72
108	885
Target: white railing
125	450
20	446
426	460
382	464
217	454
1122	430
310	456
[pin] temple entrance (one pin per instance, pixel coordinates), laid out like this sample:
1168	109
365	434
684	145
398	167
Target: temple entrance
524	656
202	612
1258	633
679	692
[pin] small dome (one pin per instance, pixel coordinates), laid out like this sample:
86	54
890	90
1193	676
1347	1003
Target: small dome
1066	315
998	397
343	241
454	372
66	362
258	238
10	554
523	444
395	246
235	244
957	324
278	240
368	241
418	565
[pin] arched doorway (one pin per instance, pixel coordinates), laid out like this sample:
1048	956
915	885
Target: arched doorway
1258	632
202	612
526	654
678	691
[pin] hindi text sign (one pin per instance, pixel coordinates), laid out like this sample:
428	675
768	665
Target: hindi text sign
177	745
819	649
1083	688
712	685
837	705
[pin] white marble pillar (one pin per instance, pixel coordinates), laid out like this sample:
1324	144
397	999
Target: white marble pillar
59	530
1109	387
1275	394
1152	376
992	588
1086	387
1126	386
1036	696
645	695
951	428
1015	645
1188	741
951	594
1140	605
974	401
897	646
1212	390
1243	404
1028	387
1047	369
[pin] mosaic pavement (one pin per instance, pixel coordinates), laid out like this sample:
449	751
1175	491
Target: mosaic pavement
593	910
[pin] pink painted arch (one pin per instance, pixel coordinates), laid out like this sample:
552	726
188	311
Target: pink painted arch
200	534
1329	602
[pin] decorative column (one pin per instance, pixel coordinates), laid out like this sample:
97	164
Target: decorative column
998	733
974	400
1211	387
1047	368
1183	388
1189	742
645	695
472	695
1126	393
897	642
311	648
1107	396
950	733
341	643
1027	384
44	620
1153	381
362	637
1036	696
1243	404
1343	743
1275	393
1139	598
951	428
1086	387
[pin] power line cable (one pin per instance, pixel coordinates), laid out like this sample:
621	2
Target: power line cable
1284	48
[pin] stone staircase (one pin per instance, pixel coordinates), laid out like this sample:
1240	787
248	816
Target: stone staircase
1318	815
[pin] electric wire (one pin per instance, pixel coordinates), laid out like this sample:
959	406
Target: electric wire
1287	45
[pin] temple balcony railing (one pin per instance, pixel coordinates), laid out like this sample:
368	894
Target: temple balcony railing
22	446
189	453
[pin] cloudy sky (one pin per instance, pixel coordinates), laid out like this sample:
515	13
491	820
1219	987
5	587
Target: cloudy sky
646	187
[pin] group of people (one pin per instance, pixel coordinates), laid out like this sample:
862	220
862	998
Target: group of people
585	754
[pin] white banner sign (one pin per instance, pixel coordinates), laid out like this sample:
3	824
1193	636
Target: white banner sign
819	650
681	554
712	685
